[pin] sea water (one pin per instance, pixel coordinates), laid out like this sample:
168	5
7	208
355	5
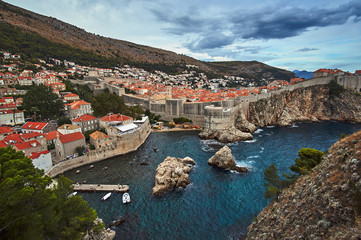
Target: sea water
218	204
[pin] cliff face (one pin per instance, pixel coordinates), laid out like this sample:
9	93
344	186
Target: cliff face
325	204
307	104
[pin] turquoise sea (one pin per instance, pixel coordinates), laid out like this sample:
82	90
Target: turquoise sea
217	204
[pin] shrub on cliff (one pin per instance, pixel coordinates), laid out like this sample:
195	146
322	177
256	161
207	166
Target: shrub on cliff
307	159
335	88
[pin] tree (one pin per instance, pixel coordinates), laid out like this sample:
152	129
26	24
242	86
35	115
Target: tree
105	103
80	150
30	209
63	120
273	184
335	88
308	159
41	99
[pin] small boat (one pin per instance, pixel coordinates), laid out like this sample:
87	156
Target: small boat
144	163
116	223
77	171
155	149
126	198
106	196
72	194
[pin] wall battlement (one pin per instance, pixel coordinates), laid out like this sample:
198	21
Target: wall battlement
203	113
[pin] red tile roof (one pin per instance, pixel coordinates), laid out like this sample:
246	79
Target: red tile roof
13	138
34	155
34	125
30	135
26	145
4	130
3	144
84	118
77	104
115	118
71	95
51	135
71	137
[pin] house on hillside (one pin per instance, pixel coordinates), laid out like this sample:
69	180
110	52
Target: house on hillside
77	109
99	140
5	131
69	128
65	145
41	127
42	160
86	122
114	120
34	136
28	147
11	117
51	136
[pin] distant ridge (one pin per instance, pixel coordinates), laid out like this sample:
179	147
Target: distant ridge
303	74
125	52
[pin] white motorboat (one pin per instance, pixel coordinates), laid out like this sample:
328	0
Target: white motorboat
106	196
126	198
72	194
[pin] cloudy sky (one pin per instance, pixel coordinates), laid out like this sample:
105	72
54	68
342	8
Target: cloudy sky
302	35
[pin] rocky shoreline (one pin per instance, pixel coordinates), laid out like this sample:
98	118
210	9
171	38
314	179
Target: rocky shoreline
324	204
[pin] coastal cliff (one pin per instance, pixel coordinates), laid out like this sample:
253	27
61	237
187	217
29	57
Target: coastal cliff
325	204
306	104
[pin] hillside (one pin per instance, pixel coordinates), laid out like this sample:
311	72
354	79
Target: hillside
126	52
325	204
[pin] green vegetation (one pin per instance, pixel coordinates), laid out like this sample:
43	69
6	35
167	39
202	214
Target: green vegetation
31	45
308	159
152	117
63	120
335	88
80	150
41	101
181	120
105	103
30	209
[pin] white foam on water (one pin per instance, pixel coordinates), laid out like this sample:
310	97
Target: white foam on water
255	156
251	141
294	125
262	149
270	126
258	131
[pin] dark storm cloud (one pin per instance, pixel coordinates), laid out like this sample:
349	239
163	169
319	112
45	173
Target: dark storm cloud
306	49
211	41
266	23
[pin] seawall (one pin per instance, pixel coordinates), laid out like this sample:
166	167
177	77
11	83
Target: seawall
125	144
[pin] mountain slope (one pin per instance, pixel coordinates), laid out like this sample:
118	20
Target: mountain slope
125	52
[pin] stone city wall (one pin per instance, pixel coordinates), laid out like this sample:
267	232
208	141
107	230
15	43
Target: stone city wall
123	144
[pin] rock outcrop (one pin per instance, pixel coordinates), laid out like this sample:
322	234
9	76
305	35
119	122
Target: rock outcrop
228	135
305	104
324	204
224	159
243	124
172	173
106	234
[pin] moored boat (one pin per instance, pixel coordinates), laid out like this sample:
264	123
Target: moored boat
106	196
126	198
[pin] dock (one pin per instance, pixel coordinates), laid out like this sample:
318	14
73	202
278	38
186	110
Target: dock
100	188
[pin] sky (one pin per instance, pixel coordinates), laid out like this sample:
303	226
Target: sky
294	35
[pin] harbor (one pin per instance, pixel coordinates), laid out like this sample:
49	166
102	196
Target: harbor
100	188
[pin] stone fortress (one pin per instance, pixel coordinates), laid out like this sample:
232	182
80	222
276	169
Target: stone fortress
216	115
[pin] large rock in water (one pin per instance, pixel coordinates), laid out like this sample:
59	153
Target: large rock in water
172	173
227	135
224	159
